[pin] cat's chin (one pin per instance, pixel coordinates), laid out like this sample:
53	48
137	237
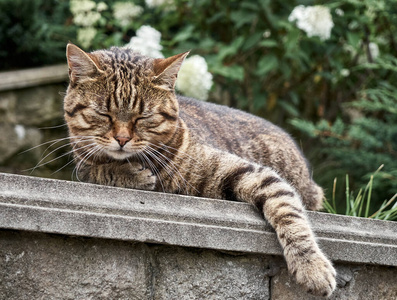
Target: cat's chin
119	155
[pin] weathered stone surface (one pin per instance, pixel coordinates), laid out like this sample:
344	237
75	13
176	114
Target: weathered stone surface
38	105
16	137
355	282
201	274
41	266
28	203
12	80
8	103
32	106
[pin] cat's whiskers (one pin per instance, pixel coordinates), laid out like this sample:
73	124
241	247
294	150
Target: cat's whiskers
71	161
52	127
71	143
64	166
45	143
39	164
53	142
178	152
86	156
171	167
153	168
164	165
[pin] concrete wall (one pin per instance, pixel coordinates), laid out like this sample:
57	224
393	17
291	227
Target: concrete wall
69	240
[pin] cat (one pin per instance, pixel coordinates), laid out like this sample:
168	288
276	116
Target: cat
130	129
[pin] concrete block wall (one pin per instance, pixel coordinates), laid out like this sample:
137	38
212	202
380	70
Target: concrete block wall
70	240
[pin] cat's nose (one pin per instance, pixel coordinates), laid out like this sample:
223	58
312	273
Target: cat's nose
122	140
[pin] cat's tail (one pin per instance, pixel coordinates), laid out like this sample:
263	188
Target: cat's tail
313	196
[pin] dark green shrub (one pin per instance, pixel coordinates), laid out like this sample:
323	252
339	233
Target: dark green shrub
33	32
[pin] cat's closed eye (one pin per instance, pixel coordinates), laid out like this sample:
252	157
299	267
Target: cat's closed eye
109	117
150	121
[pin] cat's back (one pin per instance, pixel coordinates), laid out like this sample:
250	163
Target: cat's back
233	130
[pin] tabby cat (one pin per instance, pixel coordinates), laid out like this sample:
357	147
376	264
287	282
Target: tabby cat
129	129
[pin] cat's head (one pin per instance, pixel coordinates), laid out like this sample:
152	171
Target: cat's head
119	102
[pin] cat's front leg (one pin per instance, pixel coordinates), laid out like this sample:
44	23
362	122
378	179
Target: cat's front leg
282	207
120	174
237	179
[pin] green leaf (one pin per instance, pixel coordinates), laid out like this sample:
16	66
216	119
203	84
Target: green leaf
291	42
233	72
184	34
289	107
242	17
266	64
231	49
250	5
353	39
306	126
216	17
207	44
268	43
252	41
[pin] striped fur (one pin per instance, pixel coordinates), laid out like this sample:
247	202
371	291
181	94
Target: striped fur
131	130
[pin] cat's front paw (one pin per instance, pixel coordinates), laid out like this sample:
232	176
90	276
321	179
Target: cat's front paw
144	179
317	275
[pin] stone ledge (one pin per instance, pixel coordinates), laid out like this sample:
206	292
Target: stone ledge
80	209
31	77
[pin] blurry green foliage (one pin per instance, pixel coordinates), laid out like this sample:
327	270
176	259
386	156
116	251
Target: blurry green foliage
33	32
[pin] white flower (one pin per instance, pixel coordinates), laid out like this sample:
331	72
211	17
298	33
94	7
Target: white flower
124	12
86	35
194	80
147	42
87	19
339	12
79	6
84	13
156	3
314	20
344	72
374	50
101	6
267	33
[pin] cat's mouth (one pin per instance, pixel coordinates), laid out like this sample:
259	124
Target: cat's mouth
119	154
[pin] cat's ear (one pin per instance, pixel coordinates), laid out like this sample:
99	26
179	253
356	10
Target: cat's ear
81	64
166	70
